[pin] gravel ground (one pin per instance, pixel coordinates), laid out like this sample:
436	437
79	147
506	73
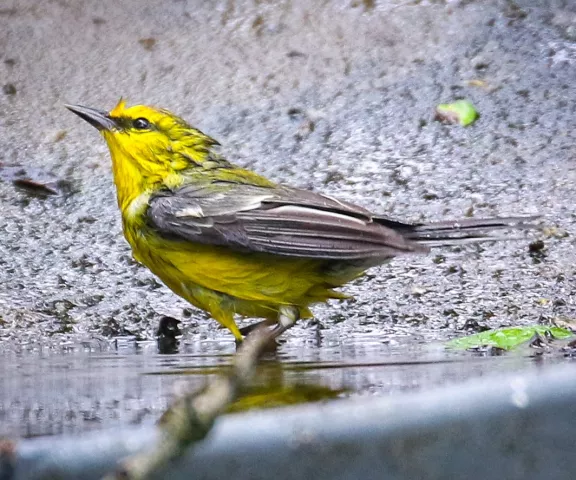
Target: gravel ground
333	96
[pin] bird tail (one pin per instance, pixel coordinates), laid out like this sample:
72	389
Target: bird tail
459	232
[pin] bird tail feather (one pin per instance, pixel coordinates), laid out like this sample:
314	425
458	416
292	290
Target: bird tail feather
464	231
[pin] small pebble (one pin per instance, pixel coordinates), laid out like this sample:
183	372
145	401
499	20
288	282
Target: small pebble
9	89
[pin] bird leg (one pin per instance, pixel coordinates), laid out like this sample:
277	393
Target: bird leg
287	317
253	326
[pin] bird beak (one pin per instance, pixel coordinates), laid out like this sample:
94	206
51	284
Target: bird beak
97	118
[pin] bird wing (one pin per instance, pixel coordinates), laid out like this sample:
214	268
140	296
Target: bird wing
278	220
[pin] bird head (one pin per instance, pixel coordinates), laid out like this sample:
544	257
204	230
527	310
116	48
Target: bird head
154	140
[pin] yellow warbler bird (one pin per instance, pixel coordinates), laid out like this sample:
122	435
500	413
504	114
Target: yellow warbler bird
230	241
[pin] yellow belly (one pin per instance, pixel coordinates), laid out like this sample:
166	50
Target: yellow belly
226	282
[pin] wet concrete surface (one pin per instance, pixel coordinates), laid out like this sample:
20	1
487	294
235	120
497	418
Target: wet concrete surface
81	391
334	96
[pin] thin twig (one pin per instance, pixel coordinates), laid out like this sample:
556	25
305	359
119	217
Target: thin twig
191	417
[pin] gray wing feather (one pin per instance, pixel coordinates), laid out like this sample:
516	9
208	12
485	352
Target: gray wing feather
280	221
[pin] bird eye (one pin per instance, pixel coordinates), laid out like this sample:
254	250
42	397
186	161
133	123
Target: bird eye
141	124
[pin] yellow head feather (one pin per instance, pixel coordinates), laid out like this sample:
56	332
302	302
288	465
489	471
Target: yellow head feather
119	108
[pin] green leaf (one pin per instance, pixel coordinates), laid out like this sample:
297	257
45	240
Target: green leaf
461	111
506	338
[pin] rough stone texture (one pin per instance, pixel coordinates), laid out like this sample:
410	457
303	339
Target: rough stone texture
334	96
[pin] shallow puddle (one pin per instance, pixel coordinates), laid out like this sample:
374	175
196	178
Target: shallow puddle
86	388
